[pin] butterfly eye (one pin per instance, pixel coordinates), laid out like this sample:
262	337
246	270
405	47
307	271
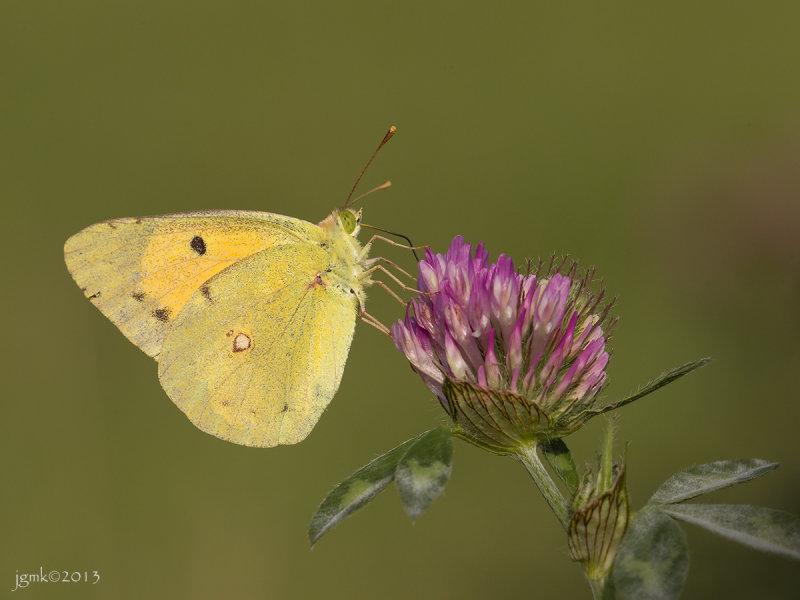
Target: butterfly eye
348	221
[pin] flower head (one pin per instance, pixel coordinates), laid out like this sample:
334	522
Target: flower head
512	357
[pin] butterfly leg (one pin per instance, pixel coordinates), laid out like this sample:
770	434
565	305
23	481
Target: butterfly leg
370	320
365	250
390	290
395	279
372	261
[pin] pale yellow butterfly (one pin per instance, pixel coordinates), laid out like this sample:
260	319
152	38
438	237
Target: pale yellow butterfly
250	315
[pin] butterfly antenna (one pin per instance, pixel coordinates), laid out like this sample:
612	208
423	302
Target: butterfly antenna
385	139
400	235
382	186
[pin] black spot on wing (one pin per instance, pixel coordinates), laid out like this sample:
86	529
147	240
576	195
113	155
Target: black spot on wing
162	314
138	296
198	245
206	291
94	296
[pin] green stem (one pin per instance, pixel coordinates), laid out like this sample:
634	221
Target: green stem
529	457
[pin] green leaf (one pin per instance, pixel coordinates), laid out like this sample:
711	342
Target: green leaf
761	528
358	489
653	560
658	382
559	458
701	479
424	469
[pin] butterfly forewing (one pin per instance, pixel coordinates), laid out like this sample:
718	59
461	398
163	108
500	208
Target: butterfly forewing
141	271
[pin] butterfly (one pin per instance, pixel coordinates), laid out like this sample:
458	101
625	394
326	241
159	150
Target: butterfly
250	315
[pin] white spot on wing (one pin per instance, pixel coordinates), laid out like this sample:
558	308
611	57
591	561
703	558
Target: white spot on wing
241	342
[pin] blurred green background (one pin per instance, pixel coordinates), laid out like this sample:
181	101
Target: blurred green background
659	142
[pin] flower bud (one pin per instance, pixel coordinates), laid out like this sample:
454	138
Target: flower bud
600	516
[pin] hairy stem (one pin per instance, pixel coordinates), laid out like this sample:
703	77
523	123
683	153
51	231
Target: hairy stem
601	589
529	457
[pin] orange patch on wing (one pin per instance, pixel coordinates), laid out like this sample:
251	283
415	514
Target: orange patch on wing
172	269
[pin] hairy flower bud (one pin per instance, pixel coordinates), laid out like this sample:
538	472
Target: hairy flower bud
600	516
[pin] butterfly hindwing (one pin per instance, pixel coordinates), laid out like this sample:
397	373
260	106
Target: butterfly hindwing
141	271
257	353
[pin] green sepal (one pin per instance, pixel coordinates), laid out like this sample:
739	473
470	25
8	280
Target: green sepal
495	418
459	432
424	469
653	559
701	479
764	529
649	388
358	489
560	460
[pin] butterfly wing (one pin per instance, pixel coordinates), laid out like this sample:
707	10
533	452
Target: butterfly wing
257	356
140	272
